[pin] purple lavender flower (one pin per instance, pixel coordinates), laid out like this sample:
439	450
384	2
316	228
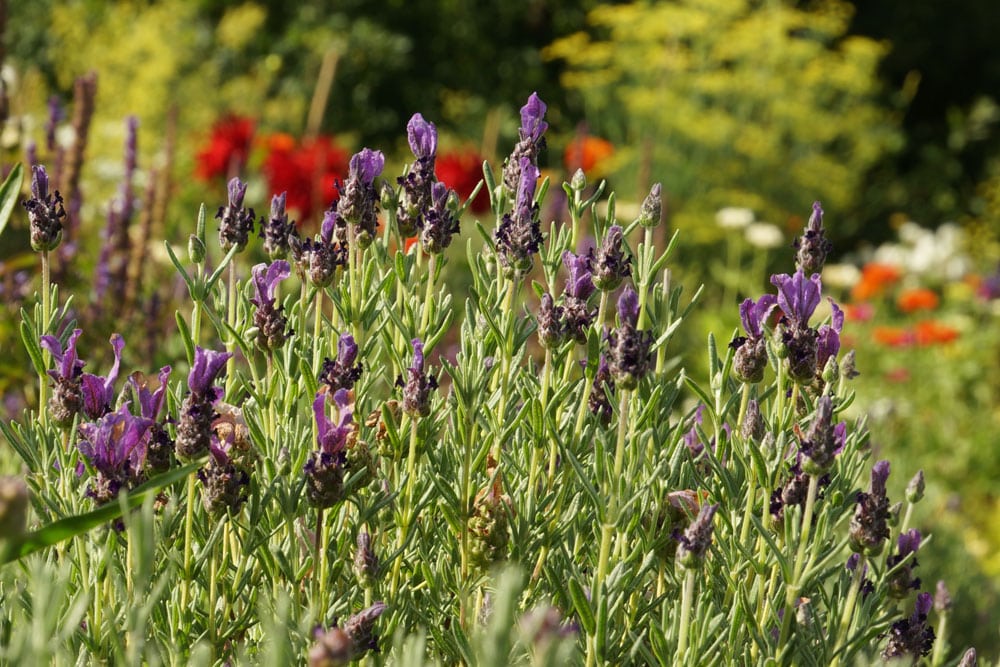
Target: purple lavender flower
750	358
651	209
610	264
342	373
532	140
324	469
160	447
697	538
577	315
225	485
276	228
823	441
912	636
317	259
416	197
99	392
67	396
417	389
116	448
440	223
753	428
342	645
551	323
798	296
870	524
599	402
366	565
45	212
236	222
828	337
271	323
901	581
358	204
518	235
629	349
194	427
580	284
813	247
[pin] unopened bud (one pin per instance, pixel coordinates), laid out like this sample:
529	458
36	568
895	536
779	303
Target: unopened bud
196	249
579	180
651	209
831	371
915	489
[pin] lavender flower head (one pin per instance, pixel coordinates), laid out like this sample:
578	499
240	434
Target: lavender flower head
116	448
318	259
870	524
271	323
366	565
599	402
416	198
750	358
440	223
342	645
630	349
551	323
813	247
342	373
577	315
358	204
194	427
532	140
518	236
67	396
823	441
911	636
610	264
225	485
276	228
417	389
798	296
236	222
324	469
902	581
828	337
651	209
45	212
160	447
694	542
99	392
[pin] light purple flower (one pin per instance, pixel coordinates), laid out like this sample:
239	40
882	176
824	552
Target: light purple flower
828	336
347	349
205	370
265	281
422	137
533	125
116	447
526	189
70	366
332	437
365	165
99	392
580	284
754	314
798	296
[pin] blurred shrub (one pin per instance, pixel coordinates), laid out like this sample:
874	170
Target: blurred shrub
733	102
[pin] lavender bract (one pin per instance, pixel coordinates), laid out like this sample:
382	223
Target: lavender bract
324	469
416	198
518	236
160	447
277	228
417	388
610	264
532	140
194	426
813	247
115	446
235	221
45	212
440	223
629	350
271	323
342	373
67	397
358	203
823	441
318	259
870	524
99	392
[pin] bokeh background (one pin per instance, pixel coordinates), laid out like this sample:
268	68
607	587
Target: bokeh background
746	111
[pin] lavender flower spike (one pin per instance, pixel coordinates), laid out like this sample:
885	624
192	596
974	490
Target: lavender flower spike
417	389
580	284
276	229
67	397
45	212
610	263
422	137
99	392
342	373
813	247
697	538
440	223
271	324
823	441
358	201
518	235
869	527
205	370
798	296
331	437
116	448
630	349
533	125
324	469
235	222
911	636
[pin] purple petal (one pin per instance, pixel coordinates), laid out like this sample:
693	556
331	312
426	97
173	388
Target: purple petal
347	350
754	314
343	400
908	542
526	186
880	475
117	344
329	223
923	604
66	359
798	296
816	219
39	183
532	113
422	137
319	412
266	279
278	206
580	283
237	191
366	165
418	356
95	396
628	307
206	368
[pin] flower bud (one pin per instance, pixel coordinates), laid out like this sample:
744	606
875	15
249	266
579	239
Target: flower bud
915	489
196	249
651	209
579	180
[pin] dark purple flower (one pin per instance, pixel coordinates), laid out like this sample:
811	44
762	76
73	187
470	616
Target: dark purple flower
366	565
551	323
911	636
754	314
753	428
205	370
194	426
518	235
99	392
160	446
235	221
67	395
342	373
532	140
823	441
150	402
580	284
271	323
225	484
828	337
45	212
115	446
317	259
798	296
628	308
610	264
324	469
630	350
902	581
416	199
276	228
358	203
332	437
599	402
417	388
870	524
70	366
813	247
440	223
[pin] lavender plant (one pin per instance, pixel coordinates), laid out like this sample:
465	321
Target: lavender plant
534	480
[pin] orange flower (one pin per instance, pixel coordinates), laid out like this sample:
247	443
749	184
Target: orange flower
875	278
919	298
859	312
892	336
587	153
930	332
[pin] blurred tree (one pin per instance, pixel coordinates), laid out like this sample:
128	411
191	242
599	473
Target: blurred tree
735	103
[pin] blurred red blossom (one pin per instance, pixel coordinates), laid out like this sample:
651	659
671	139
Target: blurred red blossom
228	148
461	171
307	171
587	152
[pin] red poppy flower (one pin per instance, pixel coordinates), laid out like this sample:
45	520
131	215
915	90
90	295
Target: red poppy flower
587	153
227	150
461	171
306	171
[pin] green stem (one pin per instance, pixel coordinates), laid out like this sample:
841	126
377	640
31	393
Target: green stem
407	509
231	320
644	285
848	613
43	382
317	328
937	655
188	531
687	601
319	562
428	297
795	585
212	592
